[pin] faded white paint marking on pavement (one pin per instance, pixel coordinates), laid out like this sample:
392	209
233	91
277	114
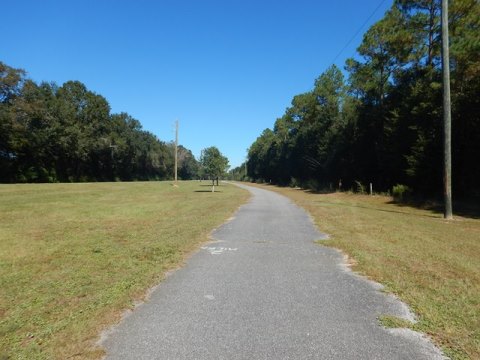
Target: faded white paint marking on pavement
217	250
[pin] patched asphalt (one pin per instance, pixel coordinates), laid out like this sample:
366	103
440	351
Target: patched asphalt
264	290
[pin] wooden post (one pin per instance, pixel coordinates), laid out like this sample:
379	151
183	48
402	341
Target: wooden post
447	115
176	151
371	189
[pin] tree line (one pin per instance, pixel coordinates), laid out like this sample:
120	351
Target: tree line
381	122
51	133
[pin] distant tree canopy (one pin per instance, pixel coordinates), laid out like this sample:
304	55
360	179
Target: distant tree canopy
50	133
383	124
239	173
188	166
213	163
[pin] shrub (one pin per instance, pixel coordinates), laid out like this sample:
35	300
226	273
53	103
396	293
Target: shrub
359	188
312	184
293	183
401	192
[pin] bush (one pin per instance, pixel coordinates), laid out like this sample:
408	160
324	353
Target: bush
293	183
312	184
359	188
401	193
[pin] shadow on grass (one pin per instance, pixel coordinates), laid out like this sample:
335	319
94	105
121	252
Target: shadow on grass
379	209
207	191
466	209
319	192
305	190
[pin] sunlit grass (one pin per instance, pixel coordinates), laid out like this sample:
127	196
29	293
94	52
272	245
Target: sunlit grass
73	257
431	264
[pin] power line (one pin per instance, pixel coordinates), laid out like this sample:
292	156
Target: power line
358	31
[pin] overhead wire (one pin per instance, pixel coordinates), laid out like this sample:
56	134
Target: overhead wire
359	30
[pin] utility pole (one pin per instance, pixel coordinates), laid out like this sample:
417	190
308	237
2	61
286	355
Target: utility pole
176	151
112	148
447	116
246	174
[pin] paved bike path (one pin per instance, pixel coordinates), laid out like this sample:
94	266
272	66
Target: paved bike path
264	290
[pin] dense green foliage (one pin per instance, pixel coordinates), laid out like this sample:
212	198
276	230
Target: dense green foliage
213	163
50	133
383	124
239	173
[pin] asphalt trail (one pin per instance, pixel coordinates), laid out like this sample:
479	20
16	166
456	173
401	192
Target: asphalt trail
264	290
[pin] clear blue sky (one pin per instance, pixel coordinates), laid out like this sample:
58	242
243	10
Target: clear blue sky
226	69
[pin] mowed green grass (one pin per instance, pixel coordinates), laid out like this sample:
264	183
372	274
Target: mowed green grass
73	257
431	264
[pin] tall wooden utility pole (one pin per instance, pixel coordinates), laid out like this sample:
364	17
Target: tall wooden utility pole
176	150
447	115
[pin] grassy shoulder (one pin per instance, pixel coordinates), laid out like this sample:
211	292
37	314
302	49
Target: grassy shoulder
431	264
73	257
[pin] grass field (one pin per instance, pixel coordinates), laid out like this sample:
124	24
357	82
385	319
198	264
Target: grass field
73	257
431	264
